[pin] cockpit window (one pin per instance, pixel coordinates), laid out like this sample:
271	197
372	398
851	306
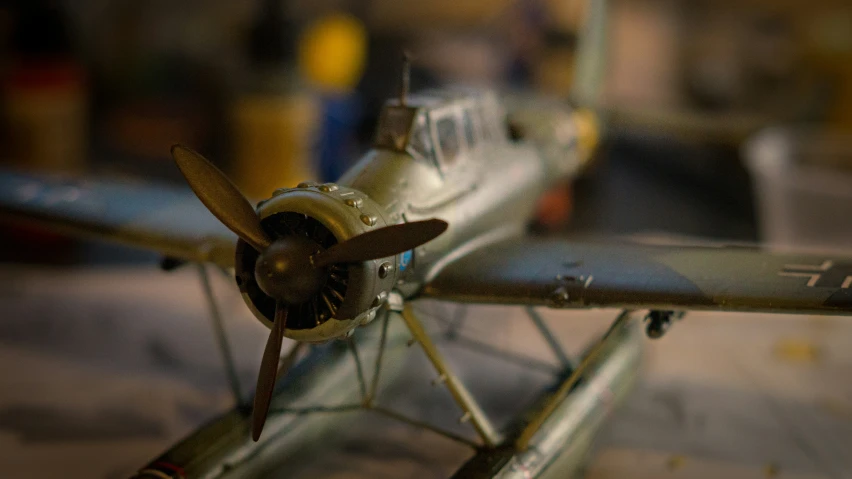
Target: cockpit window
469	133
419	144
448	140
404	130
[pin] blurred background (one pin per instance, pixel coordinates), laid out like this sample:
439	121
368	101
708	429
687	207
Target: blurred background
729	120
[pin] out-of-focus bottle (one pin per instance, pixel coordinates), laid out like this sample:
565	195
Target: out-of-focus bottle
274	119
45	93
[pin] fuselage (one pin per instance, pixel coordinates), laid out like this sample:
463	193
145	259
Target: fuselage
445	154
483	183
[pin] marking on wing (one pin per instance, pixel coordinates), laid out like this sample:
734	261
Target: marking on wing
826	275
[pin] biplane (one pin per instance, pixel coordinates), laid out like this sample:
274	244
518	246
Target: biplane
437	209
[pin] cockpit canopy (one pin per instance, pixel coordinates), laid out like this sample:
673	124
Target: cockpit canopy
442	127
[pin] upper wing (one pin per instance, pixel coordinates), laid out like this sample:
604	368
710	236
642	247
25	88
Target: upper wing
165	219
564	274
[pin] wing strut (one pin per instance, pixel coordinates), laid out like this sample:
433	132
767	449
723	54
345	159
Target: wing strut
377	367
550	338
523	441
221	335
359	369
472	412
369	401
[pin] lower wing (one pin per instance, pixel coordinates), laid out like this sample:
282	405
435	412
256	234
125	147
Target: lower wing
564	274
168	220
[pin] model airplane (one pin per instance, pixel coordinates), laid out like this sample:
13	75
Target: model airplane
437	209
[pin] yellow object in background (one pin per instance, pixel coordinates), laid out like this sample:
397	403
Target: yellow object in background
332	52
588	132
273	136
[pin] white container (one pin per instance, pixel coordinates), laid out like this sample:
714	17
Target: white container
803	198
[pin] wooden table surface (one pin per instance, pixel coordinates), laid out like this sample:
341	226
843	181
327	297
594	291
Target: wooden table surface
102	369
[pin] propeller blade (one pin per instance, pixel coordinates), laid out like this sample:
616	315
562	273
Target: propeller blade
268	371
382	242
220	196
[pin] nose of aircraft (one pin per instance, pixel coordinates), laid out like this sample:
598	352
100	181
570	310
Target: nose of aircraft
285	272
290	269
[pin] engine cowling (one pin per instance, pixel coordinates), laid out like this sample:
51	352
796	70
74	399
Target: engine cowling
352	292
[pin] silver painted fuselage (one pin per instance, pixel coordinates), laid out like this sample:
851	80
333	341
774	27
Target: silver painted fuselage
490	190
446	155
491	196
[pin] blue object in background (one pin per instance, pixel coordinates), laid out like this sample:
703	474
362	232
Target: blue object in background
337	139
525	40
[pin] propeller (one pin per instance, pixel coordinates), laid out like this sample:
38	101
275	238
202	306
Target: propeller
268	371
221	197
382	242
290	269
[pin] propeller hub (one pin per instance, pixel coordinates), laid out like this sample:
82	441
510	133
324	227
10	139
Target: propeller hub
284	270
